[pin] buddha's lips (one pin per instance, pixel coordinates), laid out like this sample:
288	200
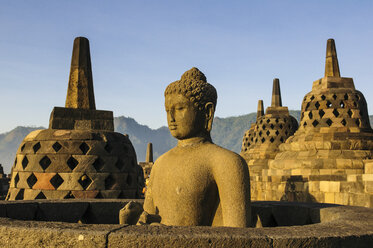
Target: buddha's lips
172	127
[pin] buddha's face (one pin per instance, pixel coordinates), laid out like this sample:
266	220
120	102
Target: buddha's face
183	118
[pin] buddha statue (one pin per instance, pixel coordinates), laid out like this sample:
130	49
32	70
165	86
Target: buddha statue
197	182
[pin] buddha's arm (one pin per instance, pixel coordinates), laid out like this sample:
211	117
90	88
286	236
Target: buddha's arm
148	203
233	181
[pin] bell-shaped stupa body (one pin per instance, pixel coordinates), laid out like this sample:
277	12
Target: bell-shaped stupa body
333	146
261	141
79	155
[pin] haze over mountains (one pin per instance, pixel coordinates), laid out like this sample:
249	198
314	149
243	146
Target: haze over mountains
226	132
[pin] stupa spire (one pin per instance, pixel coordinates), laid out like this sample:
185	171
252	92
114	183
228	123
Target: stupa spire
80	90
276	94
260	111
149	153
331	61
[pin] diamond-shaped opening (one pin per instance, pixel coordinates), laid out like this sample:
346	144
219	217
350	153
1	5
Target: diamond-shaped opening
109	182
56	146
304	124
16	180
335	113
252	139
40	196
323	97
31	180
277	132
36	147
317	105
99	196
276	120
264	127
282	139
84	181
98	164
344	122
345	96
321	113
268	120
286	132
20	194
69	196
129	180
119	164
24	162
108	148
312	97
358	122
281	126
261	121
260	133
84	148
355	104
268	132
272	126
310	115
72	163
45	162
349	112
23	147
334	96
357	97
315	123
342	104
328	104
301	116
329	122
272	139
307	106
56	181
263	139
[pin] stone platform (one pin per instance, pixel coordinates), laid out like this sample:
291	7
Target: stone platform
53	223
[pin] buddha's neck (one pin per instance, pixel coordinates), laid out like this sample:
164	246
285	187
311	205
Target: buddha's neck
194	141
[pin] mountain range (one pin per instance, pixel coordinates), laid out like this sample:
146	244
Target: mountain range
226	132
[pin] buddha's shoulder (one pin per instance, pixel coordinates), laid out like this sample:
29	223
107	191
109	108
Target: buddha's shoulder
220	155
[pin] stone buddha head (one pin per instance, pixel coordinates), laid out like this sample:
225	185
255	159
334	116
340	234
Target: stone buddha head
190	105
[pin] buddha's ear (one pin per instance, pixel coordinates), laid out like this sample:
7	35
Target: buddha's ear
209	115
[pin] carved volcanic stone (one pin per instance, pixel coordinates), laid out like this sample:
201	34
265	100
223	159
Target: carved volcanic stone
80	155
261	141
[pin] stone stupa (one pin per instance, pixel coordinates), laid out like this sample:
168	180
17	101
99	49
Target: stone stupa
260	143
327	156
79	155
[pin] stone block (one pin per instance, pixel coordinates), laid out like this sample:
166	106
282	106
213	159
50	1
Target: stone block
368	187
21	210
291	215
61	211
57	194
368	177
334	186
43	181
329	197
368	168
324	186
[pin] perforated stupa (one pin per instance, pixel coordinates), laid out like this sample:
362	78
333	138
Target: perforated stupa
79	155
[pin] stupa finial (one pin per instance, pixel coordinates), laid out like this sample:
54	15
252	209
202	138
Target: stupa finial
331	61
276	94
80	90
260	111
149	153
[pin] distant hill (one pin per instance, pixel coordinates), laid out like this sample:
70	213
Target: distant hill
226	132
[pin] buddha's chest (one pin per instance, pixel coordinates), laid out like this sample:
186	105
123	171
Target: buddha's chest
184	179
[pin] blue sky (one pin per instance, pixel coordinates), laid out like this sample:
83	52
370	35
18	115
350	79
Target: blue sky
139	47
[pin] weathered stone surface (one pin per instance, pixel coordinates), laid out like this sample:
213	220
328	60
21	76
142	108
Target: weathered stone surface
197	182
